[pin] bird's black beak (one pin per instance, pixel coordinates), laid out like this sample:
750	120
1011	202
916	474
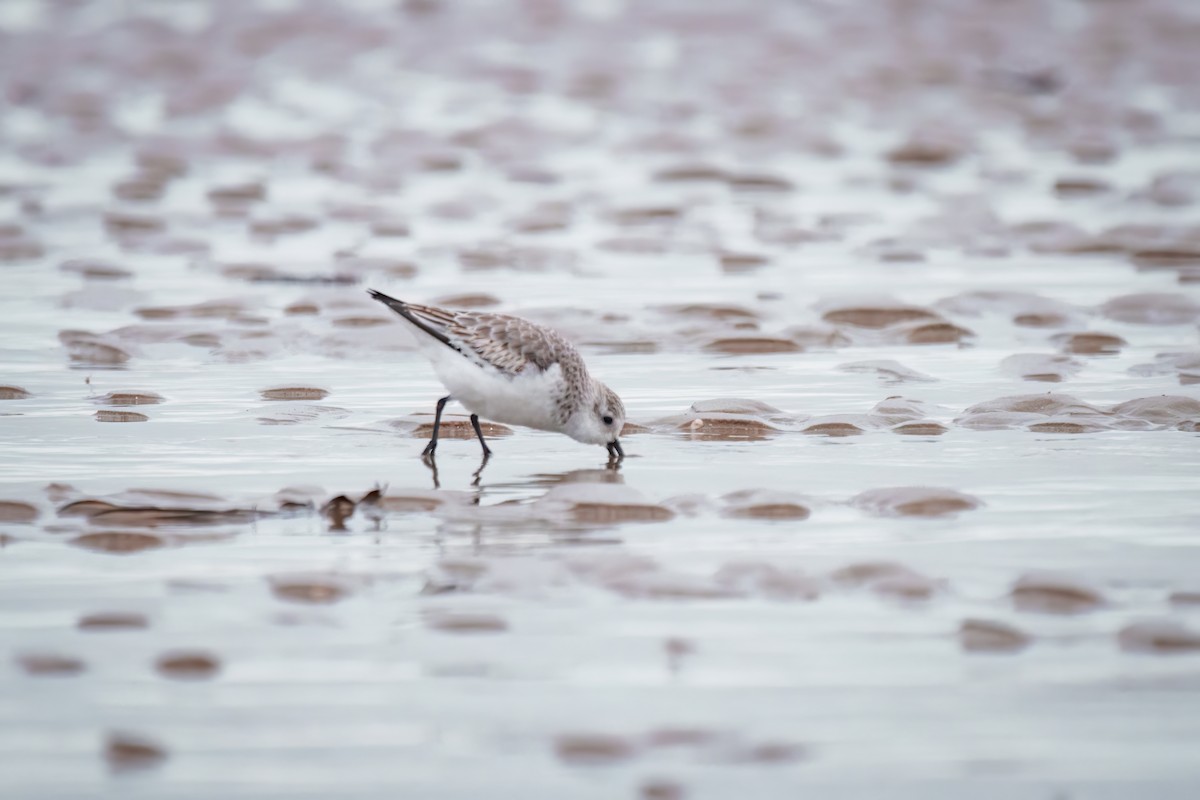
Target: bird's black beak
614	449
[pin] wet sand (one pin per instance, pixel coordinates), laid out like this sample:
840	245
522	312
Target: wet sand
902	301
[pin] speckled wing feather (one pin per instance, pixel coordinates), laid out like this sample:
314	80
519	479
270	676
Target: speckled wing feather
508	344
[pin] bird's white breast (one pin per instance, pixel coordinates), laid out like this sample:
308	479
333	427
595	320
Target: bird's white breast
529	398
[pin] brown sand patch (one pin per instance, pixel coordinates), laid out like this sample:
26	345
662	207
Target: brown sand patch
127	751
752	345
314	591
646	215
833	429
1039	367
410	503
16	511
1048	404
465	622
1160	636
118	542
613	514
1184	598
936	333
594	748
155	517
1174	189
13	393
790	511
238	193
866	572
768	753
915	501
85	349
1152	308
125	223
1065	426
1168	363
765	504
658	584
113	621
630	346
896	409
94	268
1170	410
153	507
712	311
1046	319
129	398
106	415
690	173
461	429
911	587
727	428
251	272
138	189
990	636
737	263
394	267
360	322
1081	187
50	664
467	300
86	508
294	393
634	245
925	428
748	182
1053	593
17	246
1166	258
926	150
390	229
188	665
161	163
172	495
208	340
283	225
877	317
661	789
210	309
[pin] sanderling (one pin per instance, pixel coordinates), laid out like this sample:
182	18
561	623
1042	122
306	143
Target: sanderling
510	370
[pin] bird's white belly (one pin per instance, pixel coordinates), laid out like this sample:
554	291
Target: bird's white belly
529	399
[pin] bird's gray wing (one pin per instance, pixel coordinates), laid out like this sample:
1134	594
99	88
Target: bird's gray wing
510	345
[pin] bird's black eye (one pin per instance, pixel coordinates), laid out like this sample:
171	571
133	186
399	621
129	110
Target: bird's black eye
607	420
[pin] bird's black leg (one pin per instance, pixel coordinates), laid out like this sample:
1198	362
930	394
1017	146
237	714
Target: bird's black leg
437	423
475	424
478	475
431	462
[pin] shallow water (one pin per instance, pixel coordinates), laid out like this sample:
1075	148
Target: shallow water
954	253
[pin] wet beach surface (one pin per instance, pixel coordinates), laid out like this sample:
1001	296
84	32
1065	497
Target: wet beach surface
903	300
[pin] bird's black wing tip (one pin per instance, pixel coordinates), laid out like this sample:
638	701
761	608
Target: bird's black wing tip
402	308
386	299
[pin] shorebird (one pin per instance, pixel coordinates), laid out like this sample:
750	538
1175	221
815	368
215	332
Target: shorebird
507	369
